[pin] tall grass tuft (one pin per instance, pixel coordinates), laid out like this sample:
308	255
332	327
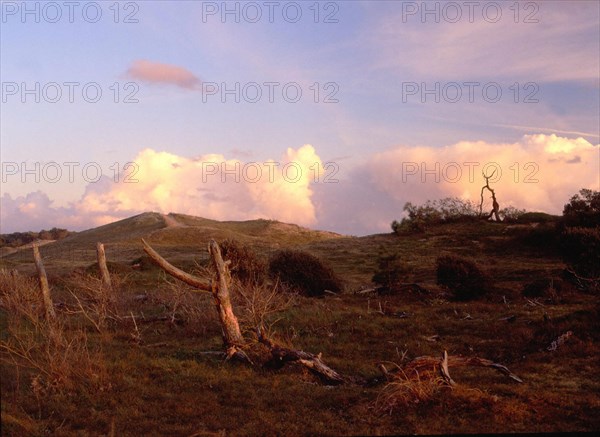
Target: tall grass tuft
56	355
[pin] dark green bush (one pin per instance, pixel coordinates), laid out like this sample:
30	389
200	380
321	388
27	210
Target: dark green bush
580	248
144	263
462	277
583	210
580	237
245	265
544	237
304	273
510	214
448	210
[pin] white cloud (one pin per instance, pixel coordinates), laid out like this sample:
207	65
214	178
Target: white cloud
210	186
538	173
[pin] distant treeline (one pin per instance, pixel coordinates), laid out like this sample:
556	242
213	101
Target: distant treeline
17	239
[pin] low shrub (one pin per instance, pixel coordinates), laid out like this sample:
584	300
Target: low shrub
546	287
245	265
580	248
144	263
462	277
391	271
510	214
448	210
304	273
545	237
537	217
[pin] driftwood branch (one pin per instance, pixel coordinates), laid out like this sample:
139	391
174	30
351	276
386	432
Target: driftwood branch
106	282
281	355
232	336
192	280
580	281
444	369
432	366
44	287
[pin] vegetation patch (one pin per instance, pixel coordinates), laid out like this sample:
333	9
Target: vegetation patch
462	277
304	273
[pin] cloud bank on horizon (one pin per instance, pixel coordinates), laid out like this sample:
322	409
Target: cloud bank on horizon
538	173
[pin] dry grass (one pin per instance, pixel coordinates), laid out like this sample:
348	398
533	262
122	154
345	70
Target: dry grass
405	390
101	305
258	305
195	392
58	354
184	305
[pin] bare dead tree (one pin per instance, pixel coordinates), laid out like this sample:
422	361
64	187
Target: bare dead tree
495	205
232	337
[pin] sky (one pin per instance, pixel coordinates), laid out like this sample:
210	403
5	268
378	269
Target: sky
330	115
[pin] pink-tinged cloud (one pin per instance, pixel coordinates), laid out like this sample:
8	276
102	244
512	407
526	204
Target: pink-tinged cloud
35	211
210	186
215	187
156	72
537	173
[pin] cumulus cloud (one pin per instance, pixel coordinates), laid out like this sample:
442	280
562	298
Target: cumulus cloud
156	72
215	187
537	173
210	186
35	211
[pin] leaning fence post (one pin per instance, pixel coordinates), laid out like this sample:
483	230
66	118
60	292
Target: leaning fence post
44	287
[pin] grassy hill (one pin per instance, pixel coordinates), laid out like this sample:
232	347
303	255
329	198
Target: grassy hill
178	234
155	371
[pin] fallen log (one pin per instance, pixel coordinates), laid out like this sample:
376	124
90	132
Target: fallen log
281	355
559	341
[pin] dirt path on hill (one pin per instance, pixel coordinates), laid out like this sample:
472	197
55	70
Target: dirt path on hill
171	222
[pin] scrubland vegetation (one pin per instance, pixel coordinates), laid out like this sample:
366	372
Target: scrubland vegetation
145	355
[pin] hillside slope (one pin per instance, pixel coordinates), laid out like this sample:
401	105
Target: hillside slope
179	234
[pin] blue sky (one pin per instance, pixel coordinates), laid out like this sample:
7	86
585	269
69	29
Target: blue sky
369	58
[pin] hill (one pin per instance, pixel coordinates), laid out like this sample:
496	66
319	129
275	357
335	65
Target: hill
183	239
185	235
